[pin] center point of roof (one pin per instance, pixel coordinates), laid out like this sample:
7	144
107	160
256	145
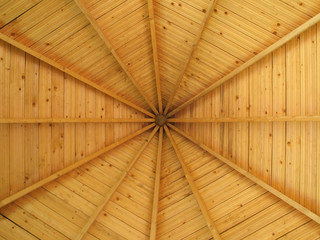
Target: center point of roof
161	120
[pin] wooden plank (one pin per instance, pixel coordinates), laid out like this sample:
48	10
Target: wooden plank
78	120
4	112
247	119
31	141
57	111
253	60
279	129
280	195
155	53
201	28
154	218
114	188
72	73
45	167
108	44
17	88
9	230
80	111
194	189
72	167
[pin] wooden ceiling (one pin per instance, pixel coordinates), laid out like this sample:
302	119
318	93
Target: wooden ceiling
81	84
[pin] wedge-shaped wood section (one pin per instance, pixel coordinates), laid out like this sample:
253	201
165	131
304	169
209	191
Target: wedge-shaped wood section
239	206
179	214
61	208
196	89
32	89
107	197
63	37
194	189
128	213
256	180
106	39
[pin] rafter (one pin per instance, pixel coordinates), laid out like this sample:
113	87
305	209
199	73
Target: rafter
251	61
96	27
72	73
76	120
71	167
194	189
109	194
247	119
205	21
153	230
256	180
155	53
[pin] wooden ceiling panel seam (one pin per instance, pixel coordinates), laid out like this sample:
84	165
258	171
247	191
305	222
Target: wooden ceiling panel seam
201	203
72	73
109	194
99	31
250	62
248	175
204	22
77	164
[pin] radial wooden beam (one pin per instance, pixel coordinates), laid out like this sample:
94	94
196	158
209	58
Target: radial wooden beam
72	73
194	189
76	120
153	230
251	61
204	23
256	180
247	119
96	27
155	53
109	194
71	167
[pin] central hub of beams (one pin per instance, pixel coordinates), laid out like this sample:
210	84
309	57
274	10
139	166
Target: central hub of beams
161	120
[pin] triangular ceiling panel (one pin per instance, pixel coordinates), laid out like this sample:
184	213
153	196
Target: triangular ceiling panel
149	119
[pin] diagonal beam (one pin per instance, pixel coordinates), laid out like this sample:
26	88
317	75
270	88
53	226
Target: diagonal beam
153	230
71	73
256	180
71	167
96	27
76	120
194	189
246	119
251	61
109	194
155	53
204	23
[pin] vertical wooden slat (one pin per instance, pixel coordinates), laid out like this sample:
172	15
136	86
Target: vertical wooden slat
279	129
4	112
109	114
45	164
57	150
80	112
293	136
100	113
69	112
318	124
308	137
90	113
31	150
17	87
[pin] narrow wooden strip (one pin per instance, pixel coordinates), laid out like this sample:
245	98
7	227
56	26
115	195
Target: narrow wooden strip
256	180
204	23
109	194
71	73
154	218
96	27
155	53
71	167
247	119
76	120
253	60
194	189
